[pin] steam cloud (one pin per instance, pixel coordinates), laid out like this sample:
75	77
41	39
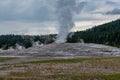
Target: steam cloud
65	12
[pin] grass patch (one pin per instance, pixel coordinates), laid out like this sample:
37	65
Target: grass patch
85	77
106	68
70	77
75	60
57	61
6	59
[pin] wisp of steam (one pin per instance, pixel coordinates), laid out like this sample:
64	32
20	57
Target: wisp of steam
65	12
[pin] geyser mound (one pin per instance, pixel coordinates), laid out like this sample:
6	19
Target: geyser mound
65	50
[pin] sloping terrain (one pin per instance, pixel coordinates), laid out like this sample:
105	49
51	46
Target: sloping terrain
65	50
108	34
67	61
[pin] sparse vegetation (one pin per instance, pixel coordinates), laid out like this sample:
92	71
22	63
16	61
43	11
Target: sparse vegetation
58	61
64	69
71	77
5	59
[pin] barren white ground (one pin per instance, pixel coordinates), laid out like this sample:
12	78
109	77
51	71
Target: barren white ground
65	50
61	51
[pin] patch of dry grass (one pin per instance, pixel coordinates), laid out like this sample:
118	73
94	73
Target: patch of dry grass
67	69
5	59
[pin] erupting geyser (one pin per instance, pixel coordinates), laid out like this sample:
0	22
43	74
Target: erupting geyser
65	11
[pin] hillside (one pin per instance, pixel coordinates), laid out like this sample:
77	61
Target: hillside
108	34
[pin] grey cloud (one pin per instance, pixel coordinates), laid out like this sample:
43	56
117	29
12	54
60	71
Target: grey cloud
41	10
111	3
115	11
90	7
17	27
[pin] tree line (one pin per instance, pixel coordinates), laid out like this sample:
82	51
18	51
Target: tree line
108	34
26	41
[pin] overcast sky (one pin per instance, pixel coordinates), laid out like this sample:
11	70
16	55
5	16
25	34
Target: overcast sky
35	17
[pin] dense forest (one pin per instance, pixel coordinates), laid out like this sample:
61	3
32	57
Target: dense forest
24	41
108	34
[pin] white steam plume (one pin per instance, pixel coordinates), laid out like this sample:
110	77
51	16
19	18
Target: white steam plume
65	12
